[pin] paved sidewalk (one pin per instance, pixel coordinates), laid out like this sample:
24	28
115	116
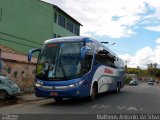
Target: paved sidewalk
29	97
20	99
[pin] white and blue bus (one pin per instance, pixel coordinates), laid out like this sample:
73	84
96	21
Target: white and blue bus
72	67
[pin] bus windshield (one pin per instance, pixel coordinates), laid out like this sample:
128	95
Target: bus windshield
59	61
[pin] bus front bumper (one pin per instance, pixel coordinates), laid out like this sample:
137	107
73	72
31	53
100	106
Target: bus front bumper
77	92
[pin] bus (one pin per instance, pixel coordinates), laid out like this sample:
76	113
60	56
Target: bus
76	66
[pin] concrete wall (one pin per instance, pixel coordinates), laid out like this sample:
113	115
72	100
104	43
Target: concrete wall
17	68
21	73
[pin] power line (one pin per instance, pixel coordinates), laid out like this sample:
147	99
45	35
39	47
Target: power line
24	39
17	42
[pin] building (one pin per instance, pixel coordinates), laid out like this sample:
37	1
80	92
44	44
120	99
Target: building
26	24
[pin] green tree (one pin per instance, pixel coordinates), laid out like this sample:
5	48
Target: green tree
152	69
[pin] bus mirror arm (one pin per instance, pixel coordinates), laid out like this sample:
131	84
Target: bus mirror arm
31	52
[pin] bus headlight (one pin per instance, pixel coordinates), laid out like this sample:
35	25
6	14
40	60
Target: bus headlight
38	85
71	86
76	84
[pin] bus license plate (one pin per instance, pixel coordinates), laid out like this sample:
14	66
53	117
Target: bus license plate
54	94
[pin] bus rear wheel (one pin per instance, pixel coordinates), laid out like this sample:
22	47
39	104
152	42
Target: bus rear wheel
117	88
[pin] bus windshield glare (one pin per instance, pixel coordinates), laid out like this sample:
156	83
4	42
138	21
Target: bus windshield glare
59	61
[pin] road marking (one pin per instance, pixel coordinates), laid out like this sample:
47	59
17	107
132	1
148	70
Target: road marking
141	109
128	108
101	106
132	109
120	108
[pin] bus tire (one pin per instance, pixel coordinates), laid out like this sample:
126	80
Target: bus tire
58	99
118	87
92	97
3	94
117	90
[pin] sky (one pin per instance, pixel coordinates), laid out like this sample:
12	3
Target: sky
134	25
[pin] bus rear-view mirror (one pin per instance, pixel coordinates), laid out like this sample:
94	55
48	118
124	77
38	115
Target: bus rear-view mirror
31	52
84	51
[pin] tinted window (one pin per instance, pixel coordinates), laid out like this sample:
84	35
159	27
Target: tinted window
61	21
55	17
104	57
69	26
76	30
54	35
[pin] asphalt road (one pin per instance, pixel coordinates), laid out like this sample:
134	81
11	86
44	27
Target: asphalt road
131	100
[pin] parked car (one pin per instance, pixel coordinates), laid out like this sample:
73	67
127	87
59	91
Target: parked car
133	82
151	82
8	88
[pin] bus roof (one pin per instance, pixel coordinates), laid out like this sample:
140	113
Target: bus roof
79	39
68	39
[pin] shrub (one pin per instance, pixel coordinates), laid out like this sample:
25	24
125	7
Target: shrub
127	80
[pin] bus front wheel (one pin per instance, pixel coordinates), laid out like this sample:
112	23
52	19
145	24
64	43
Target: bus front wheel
92	97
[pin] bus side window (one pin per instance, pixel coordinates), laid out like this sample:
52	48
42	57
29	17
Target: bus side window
97	59
104	57
100	55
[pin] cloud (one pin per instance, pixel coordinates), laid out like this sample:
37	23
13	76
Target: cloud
112	18
143	56
154	28
157	40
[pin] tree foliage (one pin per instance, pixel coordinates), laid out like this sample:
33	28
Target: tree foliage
151	71
127	80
